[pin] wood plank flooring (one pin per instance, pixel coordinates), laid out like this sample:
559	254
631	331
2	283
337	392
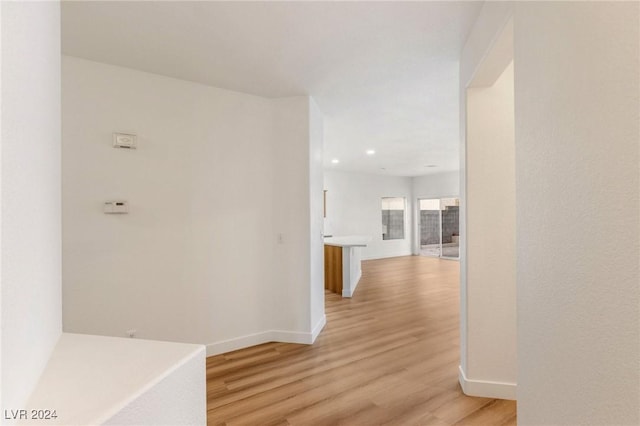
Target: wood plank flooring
388	356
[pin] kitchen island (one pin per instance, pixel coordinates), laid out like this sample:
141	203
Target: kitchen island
342	263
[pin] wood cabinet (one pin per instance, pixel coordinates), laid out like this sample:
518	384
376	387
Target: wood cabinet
342	263
333	269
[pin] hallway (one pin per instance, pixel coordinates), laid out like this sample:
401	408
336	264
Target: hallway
388	356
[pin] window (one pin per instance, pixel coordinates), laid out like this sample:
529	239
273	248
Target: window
393	218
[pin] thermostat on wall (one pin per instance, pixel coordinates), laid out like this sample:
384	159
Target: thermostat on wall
124	140
116	207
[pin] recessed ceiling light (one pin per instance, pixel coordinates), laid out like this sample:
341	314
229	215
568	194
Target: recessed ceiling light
335	161
431	165
371	151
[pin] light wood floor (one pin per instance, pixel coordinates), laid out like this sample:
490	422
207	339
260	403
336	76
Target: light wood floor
387	356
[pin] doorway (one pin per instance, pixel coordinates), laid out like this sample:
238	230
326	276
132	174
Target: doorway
439	220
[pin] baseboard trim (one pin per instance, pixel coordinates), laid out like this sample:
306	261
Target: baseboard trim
238	343
318	328
283	336
485	388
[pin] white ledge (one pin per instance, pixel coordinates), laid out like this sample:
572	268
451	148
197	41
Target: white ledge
89	379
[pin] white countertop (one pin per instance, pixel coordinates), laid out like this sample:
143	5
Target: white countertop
348	241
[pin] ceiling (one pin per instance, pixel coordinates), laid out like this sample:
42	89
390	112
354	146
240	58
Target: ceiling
384	74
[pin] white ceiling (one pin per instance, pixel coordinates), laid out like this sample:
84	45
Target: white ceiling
384	74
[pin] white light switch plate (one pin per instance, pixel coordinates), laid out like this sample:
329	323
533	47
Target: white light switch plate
116	207
125	140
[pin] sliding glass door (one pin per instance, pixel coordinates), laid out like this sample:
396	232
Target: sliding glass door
430	238
439	227
450	212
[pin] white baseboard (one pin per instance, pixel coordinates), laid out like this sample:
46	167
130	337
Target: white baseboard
283	336
318	328
238	343
485	388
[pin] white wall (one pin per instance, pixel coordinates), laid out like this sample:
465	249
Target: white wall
490	237
30	185
476	55
437	185
297	205
354	203
182	266
316	197
291	214
577	94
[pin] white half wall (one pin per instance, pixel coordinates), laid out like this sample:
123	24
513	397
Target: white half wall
30	195
198	258
91	380
179	398
354	203
577	97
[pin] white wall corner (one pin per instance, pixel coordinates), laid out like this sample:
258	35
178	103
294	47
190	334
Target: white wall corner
485	388
348	292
